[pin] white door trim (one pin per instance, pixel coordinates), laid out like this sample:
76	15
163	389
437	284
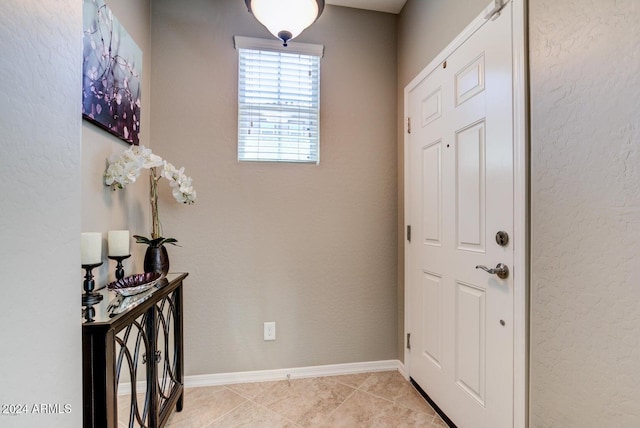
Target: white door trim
521	196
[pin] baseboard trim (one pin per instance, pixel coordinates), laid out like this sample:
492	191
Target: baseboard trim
217	379
291	373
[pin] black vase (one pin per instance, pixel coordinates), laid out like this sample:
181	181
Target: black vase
156	259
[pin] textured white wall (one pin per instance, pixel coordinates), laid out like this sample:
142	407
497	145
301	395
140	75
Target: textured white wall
310	247
40	336
585	213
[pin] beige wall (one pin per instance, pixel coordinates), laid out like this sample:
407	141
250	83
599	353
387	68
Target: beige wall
585	216
310	247
40	334
425	28
102	208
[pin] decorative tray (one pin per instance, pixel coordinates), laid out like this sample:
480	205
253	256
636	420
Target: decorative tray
120	303
135	284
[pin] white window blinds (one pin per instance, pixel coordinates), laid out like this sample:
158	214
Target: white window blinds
278	102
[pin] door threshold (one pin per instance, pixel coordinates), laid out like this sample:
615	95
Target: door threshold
432	403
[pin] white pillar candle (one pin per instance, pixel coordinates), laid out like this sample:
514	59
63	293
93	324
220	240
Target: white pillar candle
91	248
118	241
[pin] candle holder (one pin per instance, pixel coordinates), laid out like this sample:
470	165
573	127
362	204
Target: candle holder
90	297
119	269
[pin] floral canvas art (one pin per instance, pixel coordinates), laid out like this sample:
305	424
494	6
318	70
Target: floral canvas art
112	70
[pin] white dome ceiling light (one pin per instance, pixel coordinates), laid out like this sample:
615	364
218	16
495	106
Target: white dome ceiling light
285	19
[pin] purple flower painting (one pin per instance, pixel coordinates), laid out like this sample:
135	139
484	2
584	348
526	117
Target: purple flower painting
111	69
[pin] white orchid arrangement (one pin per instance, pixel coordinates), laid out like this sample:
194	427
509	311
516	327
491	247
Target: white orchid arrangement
124	168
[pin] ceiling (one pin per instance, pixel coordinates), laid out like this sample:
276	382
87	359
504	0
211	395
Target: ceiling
390	6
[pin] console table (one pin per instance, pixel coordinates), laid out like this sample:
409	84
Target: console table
135	344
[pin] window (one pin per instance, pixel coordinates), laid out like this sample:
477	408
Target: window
278	101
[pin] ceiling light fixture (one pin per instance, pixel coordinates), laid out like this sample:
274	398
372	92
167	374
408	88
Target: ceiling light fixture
285	19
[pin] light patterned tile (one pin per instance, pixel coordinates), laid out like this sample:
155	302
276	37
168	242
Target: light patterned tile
124	403
439	423
251	390
202	406
124	408
252	415
305	401
395	388
384	399
364	410
353	380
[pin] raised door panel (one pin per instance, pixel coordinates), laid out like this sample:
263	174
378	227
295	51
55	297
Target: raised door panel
432	318
470	340
432	107
432	194
469	81
470	188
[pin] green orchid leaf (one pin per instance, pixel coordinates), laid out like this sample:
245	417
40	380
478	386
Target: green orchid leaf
155	242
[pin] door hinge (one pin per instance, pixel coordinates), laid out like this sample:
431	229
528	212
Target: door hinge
409	232
409	341
408	125
493	10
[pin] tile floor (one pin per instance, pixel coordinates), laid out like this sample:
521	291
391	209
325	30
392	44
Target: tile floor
381	399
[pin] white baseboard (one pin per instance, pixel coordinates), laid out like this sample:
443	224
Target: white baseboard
291	373
280	374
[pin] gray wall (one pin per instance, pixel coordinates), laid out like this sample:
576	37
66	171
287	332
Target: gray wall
310	247
585	213
425	28
40	126
585	199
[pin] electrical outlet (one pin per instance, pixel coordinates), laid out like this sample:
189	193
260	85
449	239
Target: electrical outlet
270	330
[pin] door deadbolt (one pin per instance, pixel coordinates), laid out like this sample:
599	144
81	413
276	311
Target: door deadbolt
501	270
502	238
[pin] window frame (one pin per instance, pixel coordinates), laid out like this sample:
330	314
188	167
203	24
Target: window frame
241	42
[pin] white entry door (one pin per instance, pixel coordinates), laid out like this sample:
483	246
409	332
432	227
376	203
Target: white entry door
461	194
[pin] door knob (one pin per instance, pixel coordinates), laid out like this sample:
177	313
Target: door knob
501	270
